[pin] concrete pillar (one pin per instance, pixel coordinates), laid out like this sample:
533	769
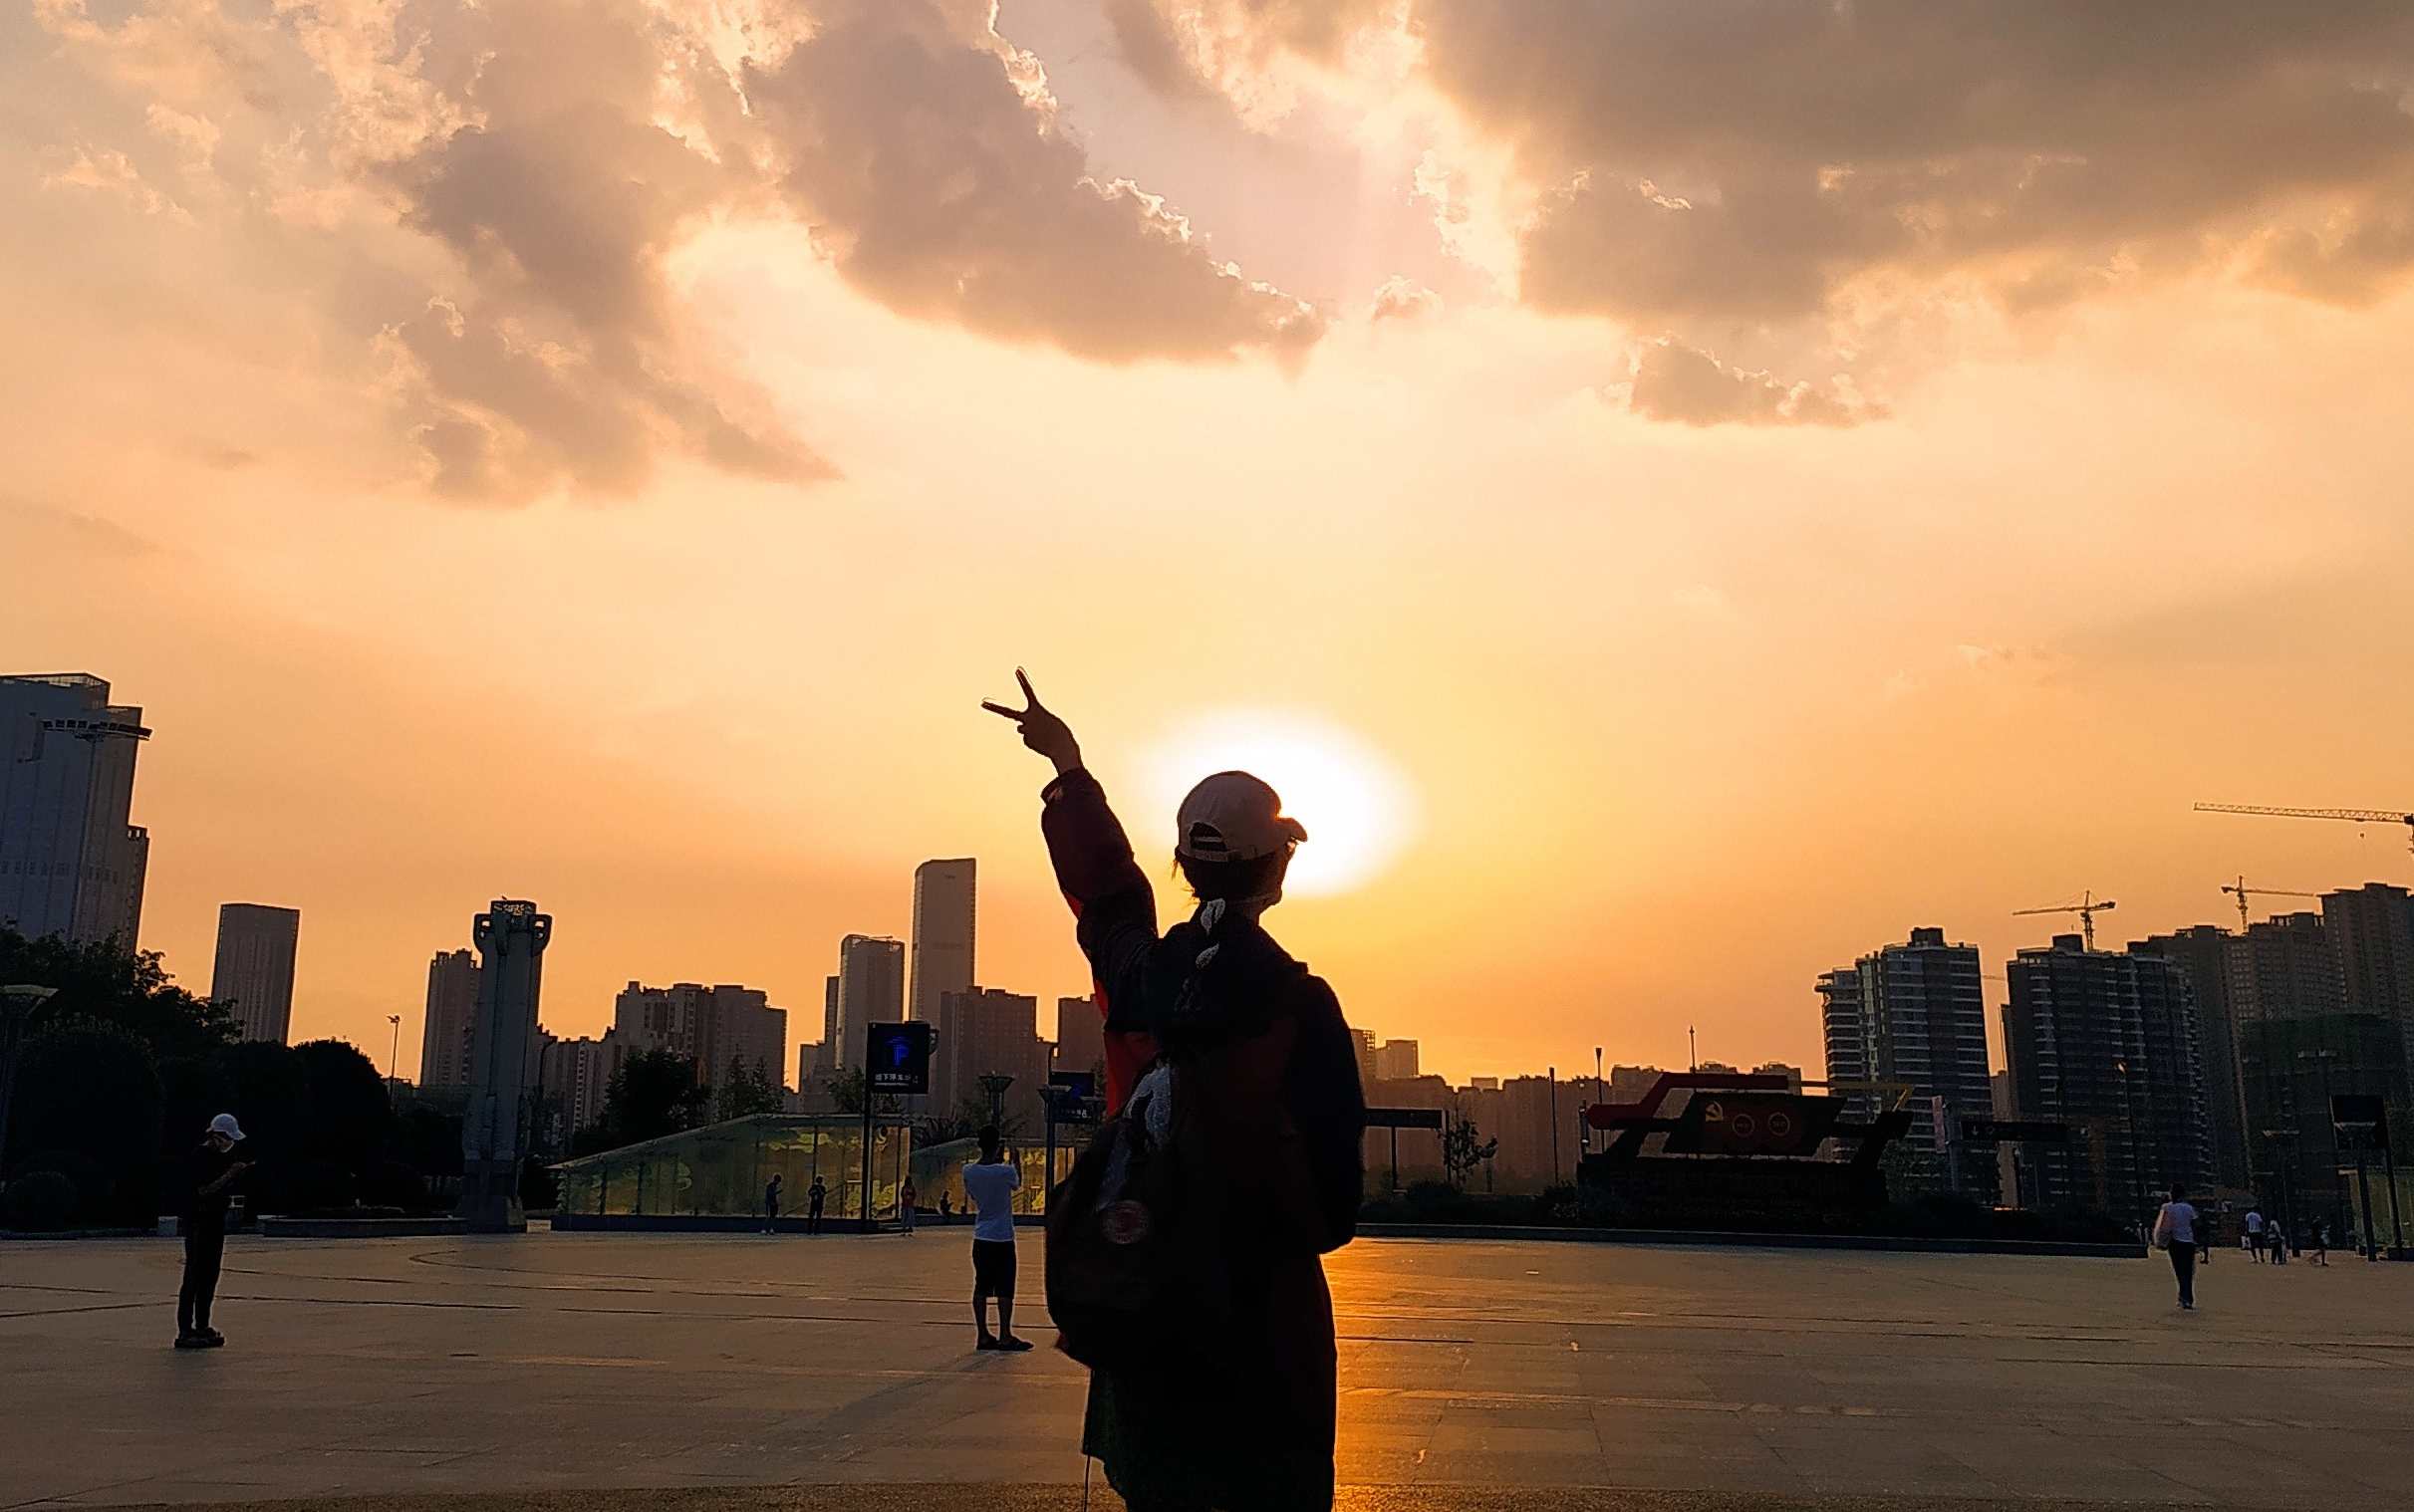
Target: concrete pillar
511	938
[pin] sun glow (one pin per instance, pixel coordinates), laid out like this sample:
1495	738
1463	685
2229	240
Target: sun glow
1359	809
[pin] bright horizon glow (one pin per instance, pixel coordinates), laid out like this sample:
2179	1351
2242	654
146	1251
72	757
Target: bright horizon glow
1358	809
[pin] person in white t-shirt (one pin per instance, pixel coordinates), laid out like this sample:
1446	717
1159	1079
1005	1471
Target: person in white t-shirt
2175	1232
2255	1231
989	1186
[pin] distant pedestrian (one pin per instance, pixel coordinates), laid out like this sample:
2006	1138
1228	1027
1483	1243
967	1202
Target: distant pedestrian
2255	1232
989	1185
2275	1239
2321	1242
771	1206
947	1212
905	1196
2175	1231
210	1173
815	1197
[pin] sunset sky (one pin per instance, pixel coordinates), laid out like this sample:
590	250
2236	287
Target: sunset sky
1703	488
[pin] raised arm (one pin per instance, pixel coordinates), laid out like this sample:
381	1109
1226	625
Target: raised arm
1113	909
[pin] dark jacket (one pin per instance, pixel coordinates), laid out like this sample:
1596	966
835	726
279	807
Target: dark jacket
204	1165
1245	1417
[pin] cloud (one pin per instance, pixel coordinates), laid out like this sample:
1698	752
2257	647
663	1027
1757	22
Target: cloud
1805	170
485	197
1403	298
1735	159
1673	382
924	154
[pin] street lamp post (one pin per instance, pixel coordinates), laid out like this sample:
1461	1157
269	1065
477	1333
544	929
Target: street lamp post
17	1006
2322	1060
994	1087
393	1052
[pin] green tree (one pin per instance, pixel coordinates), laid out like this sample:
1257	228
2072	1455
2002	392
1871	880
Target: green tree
1463	1149
87	1088
847	1090
745	1092
350	1115
102	984
655	1093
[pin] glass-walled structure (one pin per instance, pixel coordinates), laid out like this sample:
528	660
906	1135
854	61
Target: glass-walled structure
720	1170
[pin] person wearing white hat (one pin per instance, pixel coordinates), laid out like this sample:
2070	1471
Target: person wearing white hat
1228	1062
210	1173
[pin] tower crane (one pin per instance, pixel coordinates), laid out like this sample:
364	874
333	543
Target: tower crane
2087	909
2352	816
2242	892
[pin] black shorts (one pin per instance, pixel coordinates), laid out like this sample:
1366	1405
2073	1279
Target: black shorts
994	1266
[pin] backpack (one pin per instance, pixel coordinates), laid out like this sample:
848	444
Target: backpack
1112	1240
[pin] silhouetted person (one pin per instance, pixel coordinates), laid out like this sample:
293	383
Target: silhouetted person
210	1173
2175	1231
815	1197
989	1186
771	1206
907	1198
947	1210
1231	1061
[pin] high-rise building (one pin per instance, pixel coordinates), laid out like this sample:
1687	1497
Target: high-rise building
716	1027
2372	930
1364	1041
574	1077
2202	953
1917	1013
985	1030
870	990
504	1061
253	971
2291	1068
453	1004
2284	969
72	861
944	906
2107	1043
1081	1035
1396	1061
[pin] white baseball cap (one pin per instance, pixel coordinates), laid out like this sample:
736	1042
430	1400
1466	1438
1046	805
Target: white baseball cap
224	1123
1232	816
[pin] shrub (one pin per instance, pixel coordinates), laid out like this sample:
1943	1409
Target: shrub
93	1182
394	1183
40	1201
321	1183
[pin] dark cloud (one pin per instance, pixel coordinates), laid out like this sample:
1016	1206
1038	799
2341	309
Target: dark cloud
1742	159
1750	160
1673	382
927	165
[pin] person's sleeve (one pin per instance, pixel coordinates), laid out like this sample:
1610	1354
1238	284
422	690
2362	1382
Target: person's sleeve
1114	909
1328	1107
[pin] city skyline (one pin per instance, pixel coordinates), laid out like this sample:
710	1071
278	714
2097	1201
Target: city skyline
942	889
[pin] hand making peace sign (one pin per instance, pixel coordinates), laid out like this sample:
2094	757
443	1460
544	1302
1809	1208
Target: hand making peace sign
1041	730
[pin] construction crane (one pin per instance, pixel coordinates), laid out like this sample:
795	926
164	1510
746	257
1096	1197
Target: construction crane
2352	816
2242	892
2087	909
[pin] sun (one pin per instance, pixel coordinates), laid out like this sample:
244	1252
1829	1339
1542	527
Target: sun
1358	809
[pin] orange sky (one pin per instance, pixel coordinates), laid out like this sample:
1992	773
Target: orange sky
1757	482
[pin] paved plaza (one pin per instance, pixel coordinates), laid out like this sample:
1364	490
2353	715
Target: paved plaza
666	1366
